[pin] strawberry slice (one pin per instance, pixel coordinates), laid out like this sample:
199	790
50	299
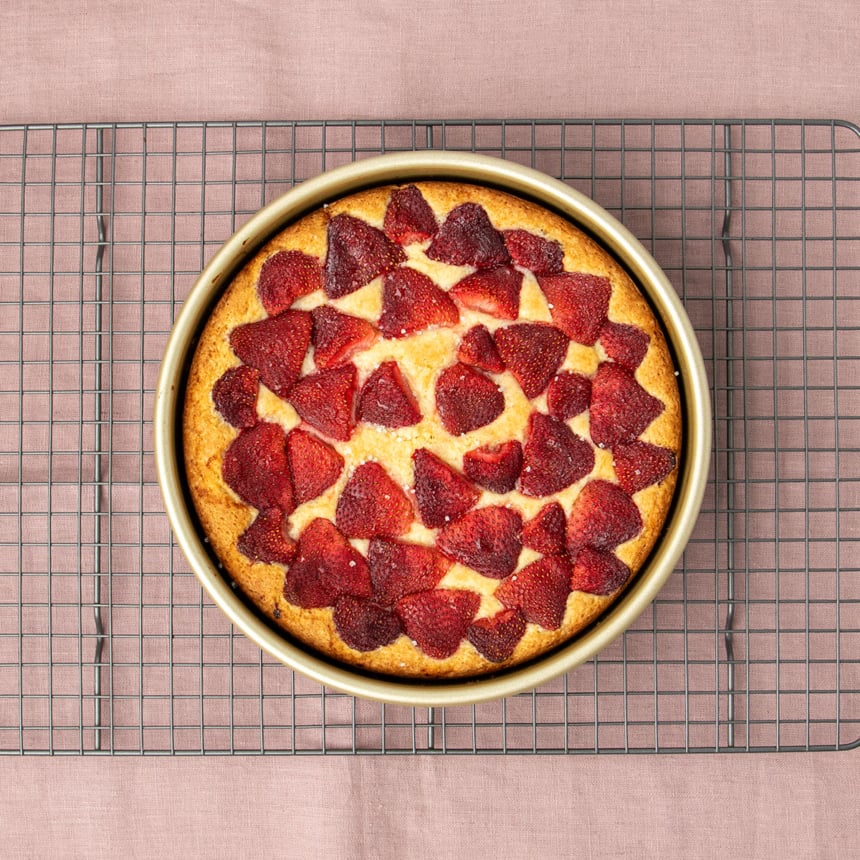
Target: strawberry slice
487	540
372	504
493	291
578	303
325	400
234	395
467	238
541	256
363	624
539	591
314	465
408	216
466	399
437	621
494	467
620	407
533	352
412	302
596	571
255	467
624	344
265	540
387	399
554	457
326	567
478	349
568	395
338	336
357	253
441	493
641	464
545	533
602	516
398	569
284	277
496	637
275	346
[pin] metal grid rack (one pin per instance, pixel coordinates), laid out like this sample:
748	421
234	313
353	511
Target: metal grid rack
107	644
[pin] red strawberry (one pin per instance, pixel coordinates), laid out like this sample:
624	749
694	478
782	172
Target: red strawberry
496	637
467	238
357	253
265	539
533	352
398	569
542	256
479	349
326	568
620	407
487	540
325	400
387	399
539	591
640	464
235	395
364	625
441	493
408	217
314	465
275	346
494	467
338	336
466	399
578	303
437	620
493	291
546	532
596	571
624	344
372	504
412	302
602	516
554	457
568	395
255	467
286	276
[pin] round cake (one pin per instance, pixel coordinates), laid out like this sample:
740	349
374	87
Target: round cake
431	430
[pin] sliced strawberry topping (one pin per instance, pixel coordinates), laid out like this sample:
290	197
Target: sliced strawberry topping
387	399
235	395
363	624
372	504
314	465
286	276
266	540
338	336
357	253
466	399
624	344
325	400
255	467
640	464
578	303
546	532
479	349
554	456
539	591
412	302
596	571
398	569
620	407
493	291
408	217
275	346
487	540
542	256
533	352
602	517
494	467
496	637
467	238
326	567
437	620
568	395
441	493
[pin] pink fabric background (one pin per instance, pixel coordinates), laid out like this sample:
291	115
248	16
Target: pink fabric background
87	60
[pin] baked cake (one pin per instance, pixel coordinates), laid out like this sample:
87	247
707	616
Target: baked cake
432	430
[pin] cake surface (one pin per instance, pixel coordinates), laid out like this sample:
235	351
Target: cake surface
432	430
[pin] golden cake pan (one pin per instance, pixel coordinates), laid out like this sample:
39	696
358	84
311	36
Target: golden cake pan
516	179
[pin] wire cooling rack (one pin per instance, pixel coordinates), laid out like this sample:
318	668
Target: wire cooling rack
107	644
